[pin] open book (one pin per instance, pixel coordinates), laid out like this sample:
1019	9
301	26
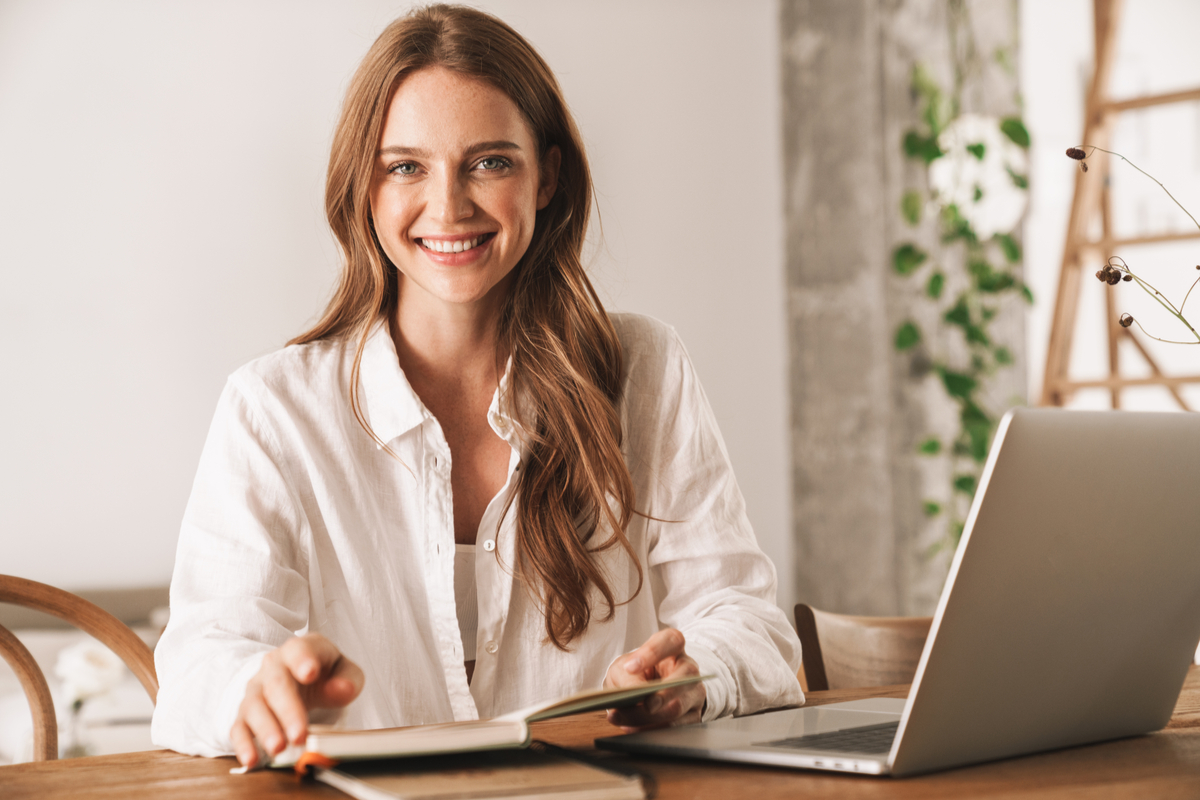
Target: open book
508	731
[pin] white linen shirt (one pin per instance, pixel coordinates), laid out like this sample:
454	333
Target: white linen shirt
299	522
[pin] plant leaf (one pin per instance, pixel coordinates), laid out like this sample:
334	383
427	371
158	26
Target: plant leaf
977	335
955	225
1012	250
1002	355
1019	180
907	335
1027	294
978	150
959	314
965	484
922	147
911	205
907	258
930	447
935	285
958	384
978	427
1014	129
932	509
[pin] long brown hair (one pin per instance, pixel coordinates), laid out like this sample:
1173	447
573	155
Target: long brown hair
566	358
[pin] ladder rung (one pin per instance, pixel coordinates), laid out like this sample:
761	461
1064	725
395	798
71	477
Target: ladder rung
1155	238
1151	100
1124	383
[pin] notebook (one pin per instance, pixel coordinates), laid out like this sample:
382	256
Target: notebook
1070	615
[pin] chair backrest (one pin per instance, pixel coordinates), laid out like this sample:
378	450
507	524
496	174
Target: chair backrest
843	652
90	619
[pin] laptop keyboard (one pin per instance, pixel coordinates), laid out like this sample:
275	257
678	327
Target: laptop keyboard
866	740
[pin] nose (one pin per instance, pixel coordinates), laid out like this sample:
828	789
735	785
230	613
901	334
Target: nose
449	199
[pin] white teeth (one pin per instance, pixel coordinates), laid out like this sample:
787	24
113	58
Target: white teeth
451	247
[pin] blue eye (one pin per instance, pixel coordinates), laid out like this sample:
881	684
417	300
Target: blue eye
493	163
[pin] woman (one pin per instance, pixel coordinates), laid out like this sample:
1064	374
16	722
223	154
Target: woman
468	488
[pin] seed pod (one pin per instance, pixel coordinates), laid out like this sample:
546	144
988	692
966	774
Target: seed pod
1127	277
1126	320
1083	165
1076	153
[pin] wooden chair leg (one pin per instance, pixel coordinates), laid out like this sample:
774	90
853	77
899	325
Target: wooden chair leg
45	725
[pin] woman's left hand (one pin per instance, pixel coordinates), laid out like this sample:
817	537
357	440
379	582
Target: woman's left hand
662	656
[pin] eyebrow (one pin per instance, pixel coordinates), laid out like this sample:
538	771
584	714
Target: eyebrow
397	150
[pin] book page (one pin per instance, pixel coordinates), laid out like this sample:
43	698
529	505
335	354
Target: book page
597	699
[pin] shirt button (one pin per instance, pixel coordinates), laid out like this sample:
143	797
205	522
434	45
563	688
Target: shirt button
500	422
491	648
489	545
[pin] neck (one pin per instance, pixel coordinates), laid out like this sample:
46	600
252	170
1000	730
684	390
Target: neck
446	343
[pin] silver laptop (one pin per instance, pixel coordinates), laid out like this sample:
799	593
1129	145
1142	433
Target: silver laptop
1070	614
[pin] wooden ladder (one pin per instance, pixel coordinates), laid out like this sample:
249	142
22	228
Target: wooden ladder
1092	198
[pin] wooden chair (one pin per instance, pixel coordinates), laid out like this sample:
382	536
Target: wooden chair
89	618
845	652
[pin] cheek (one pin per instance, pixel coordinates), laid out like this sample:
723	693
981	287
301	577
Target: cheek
519	209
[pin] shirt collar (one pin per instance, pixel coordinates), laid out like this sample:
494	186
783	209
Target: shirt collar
391	406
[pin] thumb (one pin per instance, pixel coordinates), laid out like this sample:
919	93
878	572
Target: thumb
339	687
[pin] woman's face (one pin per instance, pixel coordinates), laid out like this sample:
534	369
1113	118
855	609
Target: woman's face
456	188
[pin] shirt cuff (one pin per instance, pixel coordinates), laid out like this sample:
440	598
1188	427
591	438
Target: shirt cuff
231	699
718	696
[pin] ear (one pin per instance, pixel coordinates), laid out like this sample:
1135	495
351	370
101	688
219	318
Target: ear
548	176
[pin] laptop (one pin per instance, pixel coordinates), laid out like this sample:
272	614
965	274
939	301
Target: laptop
1070	614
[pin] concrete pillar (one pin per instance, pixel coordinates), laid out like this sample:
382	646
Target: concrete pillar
859	407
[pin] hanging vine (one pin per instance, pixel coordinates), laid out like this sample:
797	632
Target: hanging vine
976	188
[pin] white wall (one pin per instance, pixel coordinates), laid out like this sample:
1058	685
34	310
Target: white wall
161	223
1155	53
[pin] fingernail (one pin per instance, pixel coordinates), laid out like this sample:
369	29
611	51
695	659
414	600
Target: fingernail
653	703
308	672
633	665
247	757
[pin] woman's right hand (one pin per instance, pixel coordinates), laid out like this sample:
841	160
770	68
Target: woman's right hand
305	672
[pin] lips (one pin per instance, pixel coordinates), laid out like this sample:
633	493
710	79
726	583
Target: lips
455	245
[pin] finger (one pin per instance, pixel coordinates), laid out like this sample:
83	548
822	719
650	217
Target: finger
263	725
345	682
670	706
307	657
243	743
667	643
281	694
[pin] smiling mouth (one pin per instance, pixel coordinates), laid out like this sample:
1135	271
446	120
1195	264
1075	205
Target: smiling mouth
456	246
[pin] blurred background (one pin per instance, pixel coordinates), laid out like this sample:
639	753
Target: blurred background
161	224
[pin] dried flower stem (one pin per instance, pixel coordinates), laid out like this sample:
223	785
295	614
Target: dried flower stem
1162	300
1111	271
1151	177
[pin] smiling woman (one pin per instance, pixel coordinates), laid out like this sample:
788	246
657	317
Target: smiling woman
458	182
464	386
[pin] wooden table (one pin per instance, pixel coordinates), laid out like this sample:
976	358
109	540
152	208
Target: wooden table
1165	764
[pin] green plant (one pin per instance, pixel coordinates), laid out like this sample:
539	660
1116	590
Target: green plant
969	149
